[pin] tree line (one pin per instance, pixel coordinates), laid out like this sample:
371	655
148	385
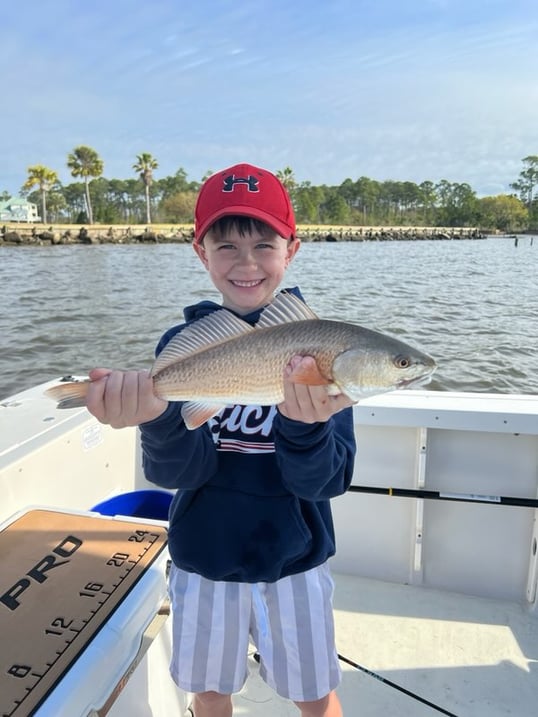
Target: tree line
364	201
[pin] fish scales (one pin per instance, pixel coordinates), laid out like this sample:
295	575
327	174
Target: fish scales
249	368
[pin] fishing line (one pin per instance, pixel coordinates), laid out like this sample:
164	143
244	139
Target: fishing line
395	686
438	495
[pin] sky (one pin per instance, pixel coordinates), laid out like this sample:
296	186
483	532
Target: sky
407	90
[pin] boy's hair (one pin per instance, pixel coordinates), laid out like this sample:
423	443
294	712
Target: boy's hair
243	225
247	191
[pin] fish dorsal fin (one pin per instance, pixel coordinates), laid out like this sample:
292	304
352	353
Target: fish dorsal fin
284	309
216	328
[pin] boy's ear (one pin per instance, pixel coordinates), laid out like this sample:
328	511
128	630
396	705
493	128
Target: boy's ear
293	248
200	250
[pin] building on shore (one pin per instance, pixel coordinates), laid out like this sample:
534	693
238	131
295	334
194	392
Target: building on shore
18	210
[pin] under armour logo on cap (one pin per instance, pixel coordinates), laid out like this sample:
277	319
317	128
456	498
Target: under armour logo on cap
231	180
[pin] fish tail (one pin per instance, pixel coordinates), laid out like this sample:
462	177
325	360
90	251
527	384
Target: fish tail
69	395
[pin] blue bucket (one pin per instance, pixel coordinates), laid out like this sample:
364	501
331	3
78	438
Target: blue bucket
152	504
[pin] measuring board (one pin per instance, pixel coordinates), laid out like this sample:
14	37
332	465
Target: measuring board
62	576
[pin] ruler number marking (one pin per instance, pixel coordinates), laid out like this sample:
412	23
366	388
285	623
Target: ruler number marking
138	536
58	626
118	560
91	589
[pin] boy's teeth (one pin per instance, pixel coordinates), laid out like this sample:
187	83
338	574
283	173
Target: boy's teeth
246	284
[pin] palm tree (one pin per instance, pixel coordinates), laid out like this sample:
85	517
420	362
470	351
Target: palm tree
145	165
287	177
44	178
85	162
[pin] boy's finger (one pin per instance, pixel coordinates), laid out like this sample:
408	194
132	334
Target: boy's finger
96	373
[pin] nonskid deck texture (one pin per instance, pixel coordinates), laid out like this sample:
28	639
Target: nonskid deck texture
468	656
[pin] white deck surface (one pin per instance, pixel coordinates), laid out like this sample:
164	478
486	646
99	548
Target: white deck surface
473	657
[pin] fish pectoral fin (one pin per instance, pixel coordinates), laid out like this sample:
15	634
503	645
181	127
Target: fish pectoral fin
284	309
196	413
309	375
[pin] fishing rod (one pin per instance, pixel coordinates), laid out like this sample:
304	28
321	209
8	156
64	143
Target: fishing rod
442	495
384	680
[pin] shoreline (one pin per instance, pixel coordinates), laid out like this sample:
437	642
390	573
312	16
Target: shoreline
61	234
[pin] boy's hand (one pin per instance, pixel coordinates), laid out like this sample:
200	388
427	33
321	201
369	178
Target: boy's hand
123	398
309	404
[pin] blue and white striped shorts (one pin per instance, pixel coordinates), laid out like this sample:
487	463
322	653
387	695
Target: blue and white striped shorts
289	621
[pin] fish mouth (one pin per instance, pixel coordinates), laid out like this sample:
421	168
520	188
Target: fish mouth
415	382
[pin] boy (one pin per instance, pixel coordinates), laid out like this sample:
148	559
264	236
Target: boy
250	525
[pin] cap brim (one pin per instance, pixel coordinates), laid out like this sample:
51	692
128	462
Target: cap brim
280	228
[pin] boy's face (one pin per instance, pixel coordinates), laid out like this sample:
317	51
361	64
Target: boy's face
247	269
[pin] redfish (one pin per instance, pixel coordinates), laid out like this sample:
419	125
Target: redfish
222	360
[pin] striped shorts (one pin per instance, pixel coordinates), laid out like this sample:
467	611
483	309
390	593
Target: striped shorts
290	622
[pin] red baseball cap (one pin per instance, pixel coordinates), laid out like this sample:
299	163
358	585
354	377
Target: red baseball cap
248	191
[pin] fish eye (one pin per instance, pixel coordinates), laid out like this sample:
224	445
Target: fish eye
402	362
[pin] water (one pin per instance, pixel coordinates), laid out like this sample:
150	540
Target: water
473	305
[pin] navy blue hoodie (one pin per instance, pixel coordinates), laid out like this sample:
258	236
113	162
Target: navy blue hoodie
253	487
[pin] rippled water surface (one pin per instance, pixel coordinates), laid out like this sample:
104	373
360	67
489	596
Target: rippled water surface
473	305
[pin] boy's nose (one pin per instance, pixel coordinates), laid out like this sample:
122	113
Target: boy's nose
246	257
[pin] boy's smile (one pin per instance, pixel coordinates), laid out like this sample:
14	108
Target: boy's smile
246	268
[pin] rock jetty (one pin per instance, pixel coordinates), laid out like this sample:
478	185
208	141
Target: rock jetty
20	235
329	234
37	235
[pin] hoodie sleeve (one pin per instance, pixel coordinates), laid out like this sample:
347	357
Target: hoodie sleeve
316	460
173	456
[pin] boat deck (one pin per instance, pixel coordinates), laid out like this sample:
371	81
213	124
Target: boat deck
462	655
468	656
